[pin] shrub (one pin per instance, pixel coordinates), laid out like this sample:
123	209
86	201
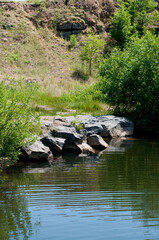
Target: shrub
130	79
73	41
131	18
92	47
121	26
17	123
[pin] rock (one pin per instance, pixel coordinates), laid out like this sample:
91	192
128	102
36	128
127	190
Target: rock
86	149
71	26
72	138
37	151
72	146
116	126
96	128
97	142
69	133
105	125
55	144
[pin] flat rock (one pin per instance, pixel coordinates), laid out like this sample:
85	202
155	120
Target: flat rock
96	141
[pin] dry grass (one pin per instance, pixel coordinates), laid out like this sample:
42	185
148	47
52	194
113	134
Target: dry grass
36	54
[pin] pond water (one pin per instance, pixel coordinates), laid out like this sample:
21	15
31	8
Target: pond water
112	196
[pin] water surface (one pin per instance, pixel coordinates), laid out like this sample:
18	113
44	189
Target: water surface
114	196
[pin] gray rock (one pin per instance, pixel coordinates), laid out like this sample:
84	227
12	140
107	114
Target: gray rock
105	125
68	133
97	142
94	129
116	126
55	144
37	151
121	127
72	138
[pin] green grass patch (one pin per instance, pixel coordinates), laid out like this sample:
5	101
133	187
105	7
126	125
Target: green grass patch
83	100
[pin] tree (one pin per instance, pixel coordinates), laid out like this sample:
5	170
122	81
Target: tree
131	18
92	47
17	122
130	79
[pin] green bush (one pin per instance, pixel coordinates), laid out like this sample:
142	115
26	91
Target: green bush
130	79
17	123
121	26
91	49
131	18
73	41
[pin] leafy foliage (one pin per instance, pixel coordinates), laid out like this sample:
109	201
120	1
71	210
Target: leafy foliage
130	79
17	123
131	18
73	41
91	49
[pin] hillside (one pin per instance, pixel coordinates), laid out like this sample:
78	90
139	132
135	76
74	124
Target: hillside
32	42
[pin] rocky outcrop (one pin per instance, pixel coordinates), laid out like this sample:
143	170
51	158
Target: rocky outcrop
105	125
81	134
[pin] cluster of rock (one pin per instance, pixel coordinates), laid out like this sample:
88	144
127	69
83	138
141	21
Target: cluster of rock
81	134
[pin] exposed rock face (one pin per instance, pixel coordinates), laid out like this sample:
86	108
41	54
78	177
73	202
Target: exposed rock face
71	26
96	142
37	151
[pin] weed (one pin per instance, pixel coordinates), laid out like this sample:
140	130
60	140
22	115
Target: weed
78	125
73	41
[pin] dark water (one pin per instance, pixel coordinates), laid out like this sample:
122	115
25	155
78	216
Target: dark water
115	196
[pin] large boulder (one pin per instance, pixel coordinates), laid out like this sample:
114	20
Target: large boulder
55	144
96	141
68	133
117	126
72	138
37	151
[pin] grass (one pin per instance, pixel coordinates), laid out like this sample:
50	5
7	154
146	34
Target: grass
36	53
82	101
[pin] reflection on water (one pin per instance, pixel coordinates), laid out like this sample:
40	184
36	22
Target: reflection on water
113	196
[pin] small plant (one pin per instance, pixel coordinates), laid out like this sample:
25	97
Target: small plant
73	41
13	57
78	125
